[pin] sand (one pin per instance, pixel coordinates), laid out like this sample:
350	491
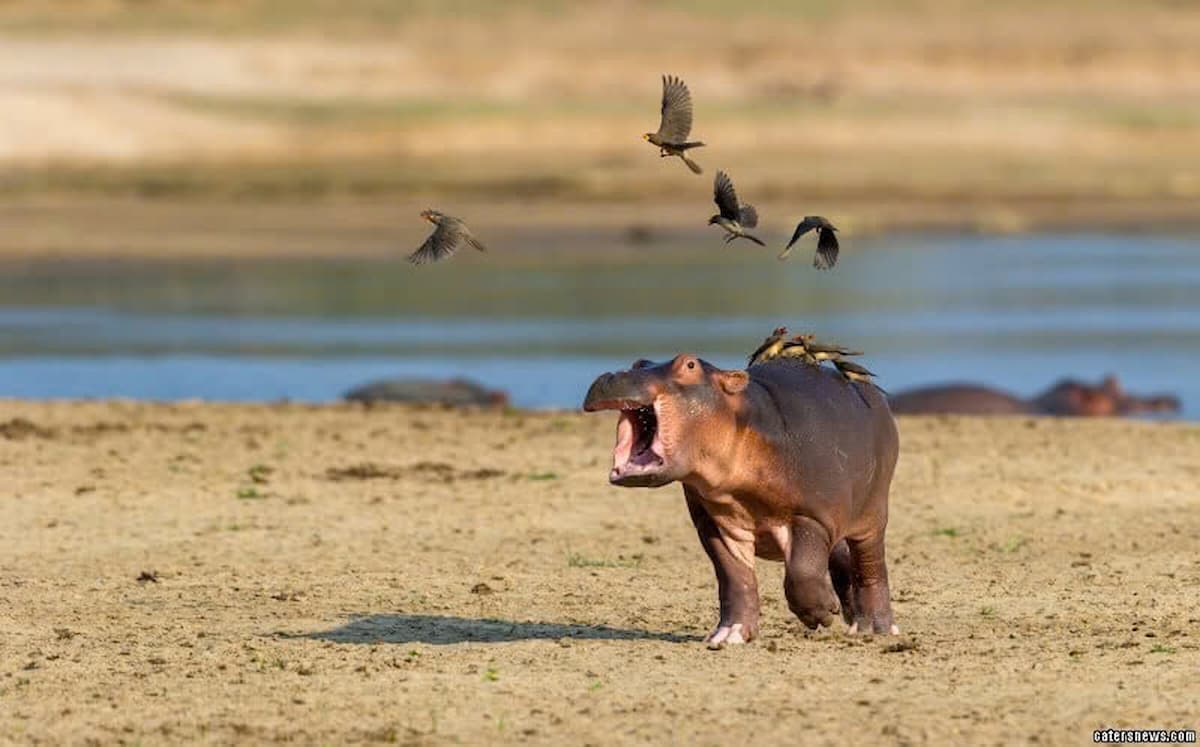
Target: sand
332	574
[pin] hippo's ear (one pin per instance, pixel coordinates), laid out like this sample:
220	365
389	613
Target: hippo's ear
641	363
733	382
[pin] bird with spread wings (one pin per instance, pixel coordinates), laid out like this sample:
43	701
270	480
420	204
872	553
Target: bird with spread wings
676	123
734	217
449	234
827	243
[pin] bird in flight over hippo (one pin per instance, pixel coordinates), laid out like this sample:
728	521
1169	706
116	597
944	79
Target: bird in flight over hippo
734	217
827	243
449	234
676	123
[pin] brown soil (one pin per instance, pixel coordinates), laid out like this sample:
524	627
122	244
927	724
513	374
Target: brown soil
183	573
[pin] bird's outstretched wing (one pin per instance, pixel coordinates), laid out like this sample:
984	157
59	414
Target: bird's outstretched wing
442	243
803	227
747	216
676	123
827	249
725	196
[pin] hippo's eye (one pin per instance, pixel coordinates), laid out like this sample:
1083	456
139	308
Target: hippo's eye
691	364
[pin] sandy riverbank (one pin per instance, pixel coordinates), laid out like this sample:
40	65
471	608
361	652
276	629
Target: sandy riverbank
333	574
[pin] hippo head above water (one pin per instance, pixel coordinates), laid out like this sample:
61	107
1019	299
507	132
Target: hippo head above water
1079	398
663	407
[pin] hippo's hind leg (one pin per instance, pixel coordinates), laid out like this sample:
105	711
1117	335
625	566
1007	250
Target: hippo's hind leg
872	602
737	586
806	583
841	572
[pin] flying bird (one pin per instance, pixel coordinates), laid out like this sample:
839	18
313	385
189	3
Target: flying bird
734	217
676	123
770	347
827	243
448	235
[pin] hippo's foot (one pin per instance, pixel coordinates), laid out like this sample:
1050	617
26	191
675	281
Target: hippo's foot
866	626
872	612
819	615
813	601
730	635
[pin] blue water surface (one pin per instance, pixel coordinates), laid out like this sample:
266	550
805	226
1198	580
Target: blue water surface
1014	312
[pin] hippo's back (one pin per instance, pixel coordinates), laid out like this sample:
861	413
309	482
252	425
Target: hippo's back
804	405
828	427
957	399
452	392
796	387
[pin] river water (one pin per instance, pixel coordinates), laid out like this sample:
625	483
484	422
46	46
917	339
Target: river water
1014	312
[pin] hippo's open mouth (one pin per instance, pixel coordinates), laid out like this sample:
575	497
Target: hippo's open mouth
638	457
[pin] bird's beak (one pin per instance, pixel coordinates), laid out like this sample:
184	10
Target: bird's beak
646	136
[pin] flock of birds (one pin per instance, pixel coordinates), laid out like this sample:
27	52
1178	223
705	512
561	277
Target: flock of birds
806	348
674	129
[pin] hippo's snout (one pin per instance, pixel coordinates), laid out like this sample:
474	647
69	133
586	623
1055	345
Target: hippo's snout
1166	403
624	390
640	457
1154	403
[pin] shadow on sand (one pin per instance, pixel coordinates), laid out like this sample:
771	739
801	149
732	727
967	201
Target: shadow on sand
439	629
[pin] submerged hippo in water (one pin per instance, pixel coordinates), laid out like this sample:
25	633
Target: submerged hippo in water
452	392
784	461
1068	397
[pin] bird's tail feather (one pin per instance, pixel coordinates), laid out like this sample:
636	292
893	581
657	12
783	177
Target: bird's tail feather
861	396
755	239
693	144
695	167
477	244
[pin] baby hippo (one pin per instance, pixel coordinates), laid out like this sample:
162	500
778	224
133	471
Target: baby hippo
784	461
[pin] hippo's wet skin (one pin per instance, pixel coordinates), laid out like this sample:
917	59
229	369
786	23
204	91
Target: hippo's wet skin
1068	397
449	392
786	461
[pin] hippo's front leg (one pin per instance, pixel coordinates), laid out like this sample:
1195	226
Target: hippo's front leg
806	583
737	586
